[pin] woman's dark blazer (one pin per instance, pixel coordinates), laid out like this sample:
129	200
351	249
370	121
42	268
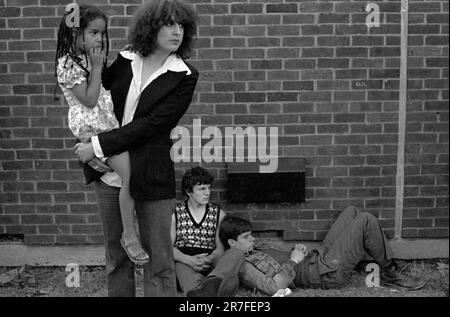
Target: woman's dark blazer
147	138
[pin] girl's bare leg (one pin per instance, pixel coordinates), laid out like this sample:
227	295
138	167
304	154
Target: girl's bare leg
121	165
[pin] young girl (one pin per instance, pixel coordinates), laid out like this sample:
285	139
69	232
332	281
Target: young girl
80	58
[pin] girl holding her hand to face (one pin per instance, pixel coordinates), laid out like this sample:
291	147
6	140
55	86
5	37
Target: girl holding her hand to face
80	59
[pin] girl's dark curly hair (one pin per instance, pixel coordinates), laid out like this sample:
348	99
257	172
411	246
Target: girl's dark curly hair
152	16
195	176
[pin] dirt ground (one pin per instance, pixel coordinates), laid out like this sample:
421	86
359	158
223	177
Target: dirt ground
51	282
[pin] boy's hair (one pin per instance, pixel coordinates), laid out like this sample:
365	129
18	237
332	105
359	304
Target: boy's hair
195	176
67	36
231	227
152	16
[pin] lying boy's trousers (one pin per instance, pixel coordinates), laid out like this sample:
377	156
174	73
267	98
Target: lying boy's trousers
353	235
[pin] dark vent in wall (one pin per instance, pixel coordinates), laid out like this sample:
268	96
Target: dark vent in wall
8	238
245	183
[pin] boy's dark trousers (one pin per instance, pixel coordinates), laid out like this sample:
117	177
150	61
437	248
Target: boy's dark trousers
353	235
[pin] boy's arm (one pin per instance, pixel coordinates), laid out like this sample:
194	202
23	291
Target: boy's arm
220	249
254	278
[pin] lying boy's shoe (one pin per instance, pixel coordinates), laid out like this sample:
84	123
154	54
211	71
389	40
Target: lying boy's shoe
139	257
400	278
209	287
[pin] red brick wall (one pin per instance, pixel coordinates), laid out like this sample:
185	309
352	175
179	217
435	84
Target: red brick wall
312	68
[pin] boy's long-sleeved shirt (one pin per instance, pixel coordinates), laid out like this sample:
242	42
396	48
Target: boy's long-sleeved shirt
263	272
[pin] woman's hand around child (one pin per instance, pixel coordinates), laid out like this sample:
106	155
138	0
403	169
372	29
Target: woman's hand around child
84	151
97	57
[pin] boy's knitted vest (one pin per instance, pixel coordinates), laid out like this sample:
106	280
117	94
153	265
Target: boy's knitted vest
192	237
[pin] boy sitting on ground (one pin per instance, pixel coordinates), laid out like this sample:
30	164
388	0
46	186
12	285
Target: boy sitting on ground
195	235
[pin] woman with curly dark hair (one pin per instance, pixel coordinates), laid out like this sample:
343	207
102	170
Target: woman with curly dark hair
153	16
151	87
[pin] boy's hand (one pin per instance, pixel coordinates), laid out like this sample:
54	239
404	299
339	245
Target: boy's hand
97	57
198	263
208	259
302	248
298	253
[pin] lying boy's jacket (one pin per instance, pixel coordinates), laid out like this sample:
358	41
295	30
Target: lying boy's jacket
285	271
267	265
263	272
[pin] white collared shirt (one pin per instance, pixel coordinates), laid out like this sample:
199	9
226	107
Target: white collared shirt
172	63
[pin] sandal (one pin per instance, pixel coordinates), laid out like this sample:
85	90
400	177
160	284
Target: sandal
135	259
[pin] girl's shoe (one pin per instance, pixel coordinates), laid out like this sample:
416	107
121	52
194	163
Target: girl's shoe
141	256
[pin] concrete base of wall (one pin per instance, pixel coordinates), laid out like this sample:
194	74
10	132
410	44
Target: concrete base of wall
19	254
420	249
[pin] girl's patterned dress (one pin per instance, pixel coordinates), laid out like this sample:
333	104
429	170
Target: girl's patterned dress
85	122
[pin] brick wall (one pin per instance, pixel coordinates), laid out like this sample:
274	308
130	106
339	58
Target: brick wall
312	68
